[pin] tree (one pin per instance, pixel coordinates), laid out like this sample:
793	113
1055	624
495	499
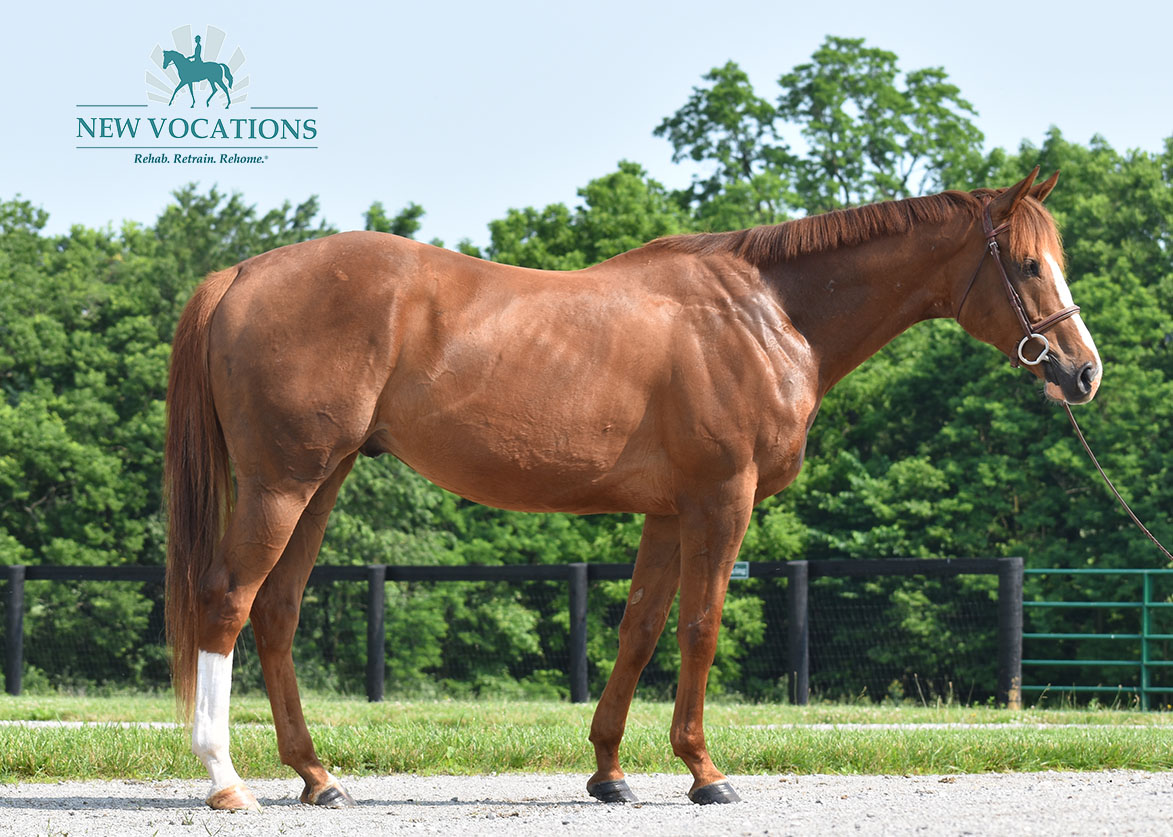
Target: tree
620	211
734	132
870	137
870	132
405	223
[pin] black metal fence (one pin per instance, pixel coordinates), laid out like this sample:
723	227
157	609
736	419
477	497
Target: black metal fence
823	622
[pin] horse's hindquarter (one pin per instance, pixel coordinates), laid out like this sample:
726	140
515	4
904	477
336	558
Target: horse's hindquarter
585	391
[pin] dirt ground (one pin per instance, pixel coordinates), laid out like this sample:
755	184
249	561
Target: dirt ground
1117	803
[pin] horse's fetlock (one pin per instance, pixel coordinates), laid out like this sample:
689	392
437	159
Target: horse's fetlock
687	742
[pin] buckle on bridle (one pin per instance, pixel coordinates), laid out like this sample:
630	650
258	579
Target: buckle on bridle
1043	355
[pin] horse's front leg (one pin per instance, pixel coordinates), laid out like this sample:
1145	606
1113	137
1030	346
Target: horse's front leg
173	92
653	587
274	618
191	90
712	526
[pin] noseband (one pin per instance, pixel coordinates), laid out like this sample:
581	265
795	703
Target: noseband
1032	331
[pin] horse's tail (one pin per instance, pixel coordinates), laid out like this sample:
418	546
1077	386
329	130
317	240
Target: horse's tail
197	480
227	74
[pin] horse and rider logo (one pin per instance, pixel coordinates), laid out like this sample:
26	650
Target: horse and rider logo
194	62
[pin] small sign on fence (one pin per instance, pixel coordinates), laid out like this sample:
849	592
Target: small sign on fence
740	570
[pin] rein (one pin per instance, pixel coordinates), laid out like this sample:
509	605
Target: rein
1033	331
1123	504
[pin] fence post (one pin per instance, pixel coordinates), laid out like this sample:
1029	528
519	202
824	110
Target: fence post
1145	629
1010	632
577	575
14	629
376	632
798	631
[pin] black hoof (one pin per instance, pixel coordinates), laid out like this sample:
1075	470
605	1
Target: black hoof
333	797
610	792
716	793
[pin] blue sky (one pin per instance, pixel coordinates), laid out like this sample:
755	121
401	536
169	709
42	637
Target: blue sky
472	108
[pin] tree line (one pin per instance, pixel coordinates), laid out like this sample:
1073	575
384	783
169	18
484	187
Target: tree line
933	448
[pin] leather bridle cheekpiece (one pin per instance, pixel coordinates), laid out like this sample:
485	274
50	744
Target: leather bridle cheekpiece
1032	331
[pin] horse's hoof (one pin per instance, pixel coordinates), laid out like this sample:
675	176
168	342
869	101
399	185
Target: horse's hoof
331	796
611	792
233	798
718	793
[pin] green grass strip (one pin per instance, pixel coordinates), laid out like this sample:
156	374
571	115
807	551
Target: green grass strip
451	739
330	710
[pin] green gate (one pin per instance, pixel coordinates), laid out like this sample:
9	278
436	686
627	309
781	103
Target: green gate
1146	662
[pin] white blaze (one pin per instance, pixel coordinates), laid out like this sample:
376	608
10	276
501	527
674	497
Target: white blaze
1066	300
209	732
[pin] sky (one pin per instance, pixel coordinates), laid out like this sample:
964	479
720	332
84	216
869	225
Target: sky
470	109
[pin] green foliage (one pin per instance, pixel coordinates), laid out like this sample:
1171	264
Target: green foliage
620	211
731	130
933	448
405	223
871	133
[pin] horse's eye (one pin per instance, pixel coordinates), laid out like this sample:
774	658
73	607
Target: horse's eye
1030	267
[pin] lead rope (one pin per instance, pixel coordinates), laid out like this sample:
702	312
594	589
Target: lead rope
1123	504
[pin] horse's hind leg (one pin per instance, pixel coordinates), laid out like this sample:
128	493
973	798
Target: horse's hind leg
274	618
653	587
264	519
215	85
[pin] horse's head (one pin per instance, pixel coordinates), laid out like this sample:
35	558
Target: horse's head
1017	299
170	57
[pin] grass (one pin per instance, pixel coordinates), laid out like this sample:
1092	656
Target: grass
460	737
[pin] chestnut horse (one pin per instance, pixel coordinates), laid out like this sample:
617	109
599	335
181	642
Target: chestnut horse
678	380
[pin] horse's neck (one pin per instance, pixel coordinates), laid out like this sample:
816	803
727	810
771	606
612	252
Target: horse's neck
852	301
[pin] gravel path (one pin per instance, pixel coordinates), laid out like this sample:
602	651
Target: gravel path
1116	803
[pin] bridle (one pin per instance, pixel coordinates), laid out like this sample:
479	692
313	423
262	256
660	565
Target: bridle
1032	331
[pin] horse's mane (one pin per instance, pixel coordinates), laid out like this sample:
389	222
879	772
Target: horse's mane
1032	230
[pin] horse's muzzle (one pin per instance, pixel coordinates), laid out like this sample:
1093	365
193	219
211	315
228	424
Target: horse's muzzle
1071	383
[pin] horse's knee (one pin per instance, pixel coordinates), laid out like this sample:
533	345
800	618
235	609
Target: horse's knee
638	635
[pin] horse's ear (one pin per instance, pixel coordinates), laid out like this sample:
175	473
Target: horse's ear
1040	192
1003	206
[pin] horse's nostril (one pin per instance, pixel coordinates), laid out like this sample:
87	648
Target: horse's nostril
1087	377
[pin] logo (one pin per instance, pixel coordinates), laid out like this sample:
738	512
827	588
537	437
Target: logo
195	62
199	111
